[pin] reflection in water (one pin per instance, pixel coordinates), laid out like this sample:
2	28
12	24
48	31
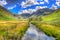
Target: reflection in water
35	34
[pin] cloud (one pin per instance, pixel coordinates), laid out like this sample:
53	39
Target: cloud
47	1
58	3
29	3
3	2
30	11
54	7
12	7
58	0
41	2
23	4
40	7
33	2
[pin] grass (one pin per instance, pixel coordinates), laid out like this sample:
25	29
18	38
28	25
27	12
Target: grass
6	15
50	30
9	30
53	16
50	24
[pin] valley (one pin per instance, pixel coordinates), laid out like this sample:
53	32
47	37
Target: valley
13	27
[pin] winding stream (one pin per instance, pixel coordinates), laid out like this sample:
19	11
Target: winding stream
34	33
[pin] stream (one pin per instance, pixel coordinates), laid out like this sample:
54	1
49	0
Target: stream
34	33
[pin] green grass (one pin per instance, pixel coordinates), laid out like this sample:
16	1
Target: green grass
6	15
13	29
50	30
53	16
50	24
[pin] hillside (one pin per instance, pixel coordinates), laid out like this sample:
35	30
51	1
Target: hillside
39	12
53	16
5	14
44	11
50	24
10	27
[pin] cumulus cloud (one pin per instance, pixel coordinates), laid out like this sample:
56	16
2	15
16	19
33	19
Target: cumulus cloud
54	7
12	7
58	0
30	11
58	3
35	2
32	2
23	4
29	3
47	1
40	7
3	2
41	2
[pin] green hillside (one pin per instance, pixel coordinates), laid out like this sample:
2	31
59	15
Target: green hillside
5	14
53	19
13	28
53	16
50	24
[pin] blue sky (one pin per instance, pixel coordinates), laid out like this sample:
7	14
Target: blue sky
24	6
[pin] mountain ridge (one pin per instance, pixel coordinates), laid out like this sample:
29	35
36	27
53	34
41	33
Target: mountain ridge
5	14
39	12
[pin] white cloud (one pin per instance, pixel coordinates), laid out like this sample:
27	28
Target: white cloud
30	11
29	3
32	2
41	2
54	7
57	0
23	4
40	7
46	1
3	2
12	7
58	3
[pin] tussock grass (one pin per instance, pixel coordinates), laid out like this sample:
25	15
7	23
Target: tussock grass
13	30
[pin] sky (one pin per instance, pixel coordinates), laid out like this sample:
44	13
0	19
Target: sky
28	6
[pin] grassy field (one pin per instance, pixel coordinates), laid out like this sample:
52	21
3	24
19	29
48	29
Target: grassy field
50	30
50	24
52	17
13	30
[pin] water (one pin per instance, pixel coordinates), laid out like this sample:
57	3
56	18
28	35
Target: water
34	33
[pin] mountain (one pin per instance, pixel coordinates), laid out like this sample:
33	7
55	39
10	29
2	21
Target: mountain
44	11
24	15
53	16
5	14
39	12
50	24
